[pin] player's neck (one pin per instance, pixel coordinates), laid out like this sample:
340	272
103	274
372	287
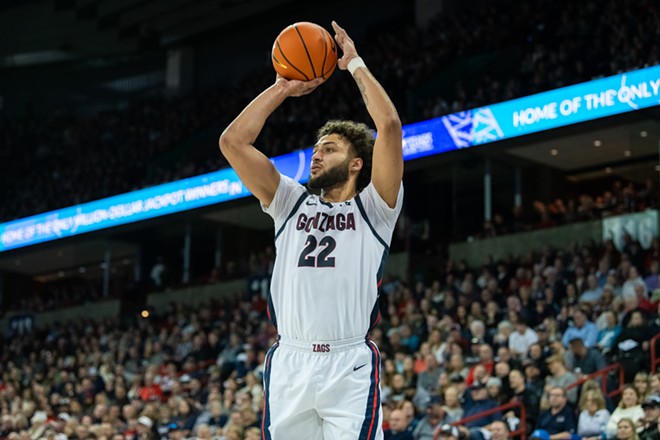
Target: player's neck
338	194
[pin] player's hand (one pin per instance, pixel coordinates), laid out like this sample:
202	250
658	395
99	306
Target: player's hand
345	44
295	88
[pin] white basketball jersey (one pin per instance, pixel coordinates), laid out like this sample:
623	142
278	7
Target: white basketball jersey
329	263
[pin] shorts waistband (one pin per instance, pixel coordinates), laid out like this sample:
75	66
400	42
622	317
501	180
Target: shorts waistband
321	346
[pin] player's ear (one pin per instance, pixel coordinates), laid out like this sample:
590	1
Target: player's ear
356	164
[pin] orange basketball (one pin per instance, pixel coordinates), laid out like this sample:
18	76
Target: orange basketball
304	51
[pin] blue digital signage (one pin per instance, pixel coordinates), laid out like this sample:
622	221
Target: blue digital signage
544	111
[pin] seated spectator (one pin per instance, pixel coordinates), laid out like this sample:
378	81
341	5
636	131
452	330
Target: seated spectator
654	384
478	403
498	430
608	334
428	379
593	293
651	280
398	429
559	377
632	344
452	405
593	415
522	338
558	420
641	382
650	423
626	430
448	432
629	289
629	408
583	359
522	393
485	360
582	328
433	419
495	390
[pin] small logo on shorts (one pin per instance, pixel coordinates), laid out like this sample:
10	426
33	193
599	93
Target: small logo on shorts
321	348
358	367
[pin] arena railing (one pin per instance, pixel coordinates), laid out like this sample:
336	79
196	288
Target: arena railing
655	358
603	375
520	431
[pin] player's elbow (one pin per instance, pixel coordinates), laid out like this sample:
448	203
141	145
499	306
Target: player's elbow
391	125
227	142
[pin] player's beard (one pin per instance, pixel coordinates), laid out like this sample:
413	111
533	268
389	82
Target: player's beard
331	178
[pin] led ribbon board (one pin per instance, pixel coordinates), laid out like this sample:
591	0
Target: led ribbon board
544	111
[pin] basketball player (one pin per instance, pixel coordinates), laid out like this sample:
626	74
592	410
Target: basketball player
322	376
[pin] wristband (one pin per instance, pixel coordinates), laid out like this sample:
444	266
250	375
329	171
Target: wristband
354	64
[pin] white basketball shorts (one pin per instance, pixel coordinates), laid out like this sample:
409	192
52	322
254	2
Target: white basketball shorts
322	390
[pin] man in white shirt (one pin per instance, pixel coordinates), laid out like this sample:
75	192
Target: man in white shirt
522	338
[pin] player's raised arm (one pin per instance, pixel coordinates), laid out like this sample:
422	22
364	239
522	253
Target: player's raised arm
387	169
237	141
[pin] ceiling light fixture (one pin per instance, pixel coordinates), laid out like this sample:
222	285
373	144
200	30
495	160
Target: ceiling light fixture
554	152
597	143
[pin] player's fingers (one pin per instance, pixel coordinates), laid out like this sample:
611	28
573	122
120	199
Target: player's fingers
336	27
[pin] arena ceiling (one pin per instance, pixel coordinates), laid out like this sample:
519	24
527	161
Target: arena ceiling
626	146
41	31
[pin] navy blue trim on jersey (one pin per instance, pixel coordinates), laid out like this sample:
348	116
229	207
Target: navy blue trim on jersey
302	198
270	309
371	422
360	206
375	312
265	422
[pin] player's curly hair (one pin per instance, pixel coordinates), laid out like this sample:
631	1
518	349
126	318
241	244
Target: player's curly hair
361	138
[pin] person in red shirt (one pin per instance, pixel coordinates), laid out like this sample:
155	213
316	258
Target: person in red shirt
485	359
150	391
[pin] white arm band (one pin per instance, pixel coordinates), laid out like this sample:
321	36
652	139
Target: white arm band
354	64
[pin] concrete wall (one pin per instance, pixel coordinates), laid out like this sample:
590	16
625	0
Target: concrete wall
475	252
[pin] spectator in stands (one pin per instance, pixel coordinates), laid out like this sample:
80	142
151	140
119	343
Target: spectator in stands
504	330
593	418
651	280
498	430
486	361
608	334
629	289
632	344
583	360
398	429
559	377
641	382
496	390
654	384
433	419
582	328
521	393
428	379
477	403
626	430
593	293
629	408
522	338
448	432
452	405
651	420
558	420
